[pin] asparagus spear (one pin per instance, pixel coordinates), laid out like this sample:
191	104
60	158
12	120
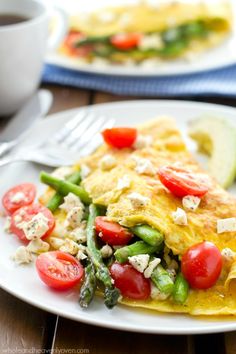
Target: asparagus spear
162	280
102	273
88	288
64	187
181	287
57	199
148	234
139	247
92	40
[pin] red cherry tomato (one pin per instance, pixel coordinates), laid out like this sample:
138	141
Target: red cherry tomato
120	137
26	214
125	41
59	270
111	232
70	44
130	282
201	265
182	182
25	192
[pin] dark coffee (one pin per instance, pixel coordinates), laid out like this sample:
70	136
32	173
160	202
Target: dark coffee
11	19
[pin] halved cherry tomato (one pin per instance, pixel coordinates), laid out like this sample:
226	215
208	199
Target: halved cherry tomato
70	44
26	193
125	41
130	282
201	265
112	232
182	182
120	137
59	270
26	214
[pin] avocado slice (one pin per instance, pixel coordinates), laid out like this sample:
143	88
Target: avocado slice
216	137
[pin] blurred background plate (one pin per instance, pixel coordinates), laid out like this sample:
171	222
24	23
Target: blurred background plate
215	58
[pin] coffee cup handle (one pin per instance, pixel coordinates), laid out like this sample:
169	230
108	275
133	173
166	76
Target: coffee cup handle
60	29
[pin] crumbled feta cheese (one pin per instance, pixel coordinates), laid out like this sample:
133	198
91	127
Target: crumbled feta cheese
62	172
18	218
151	266
123	183
150	41
22	255
69	246
106	16
18	197
190	202
74	217
138	200
7	225
106	251
71	201
142	141
226	225
144	166
56	242
228	254
84	171
79	233
156	294
139	262
107	162
36	227
37	246
180	217
81	254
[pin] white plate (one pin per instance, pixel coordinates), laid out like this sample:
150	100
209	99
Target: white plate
214	58
23	282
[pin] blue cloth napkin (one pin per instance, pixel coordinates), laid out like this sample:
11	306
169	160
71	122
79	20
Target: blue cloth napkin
220	82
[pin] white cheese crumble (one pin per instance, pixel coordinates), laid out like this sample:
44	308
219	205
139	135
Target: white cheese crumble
123	183
17	218
69	246
180	217
18	197
142	141
156	294
107	162
190	202
138	200
22	255
62	172
84	171
106	251
38	246
71	201
151	266
228	254
81	254
151	41
74	217
34	228
144	166
79	233
226	225
139	262
7	225
56	242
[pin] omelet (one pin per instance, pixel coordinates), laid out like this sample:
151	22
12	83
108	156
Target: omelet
166	148
143	31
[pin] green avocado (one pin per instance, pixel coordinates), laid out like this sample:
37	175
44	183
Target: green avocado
216	137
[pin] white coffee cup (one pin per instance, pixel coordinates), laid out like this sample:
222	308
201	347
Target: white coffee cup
22	50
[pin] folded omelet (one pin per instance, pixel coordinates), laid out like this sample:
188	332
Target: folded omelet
170	30
167	148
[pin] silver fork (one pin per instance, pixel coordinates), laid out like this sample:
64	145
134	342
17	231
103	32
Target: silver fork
78	138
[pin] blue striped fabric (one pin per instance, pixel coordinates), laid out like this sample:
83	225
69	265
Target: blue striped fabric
220	82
